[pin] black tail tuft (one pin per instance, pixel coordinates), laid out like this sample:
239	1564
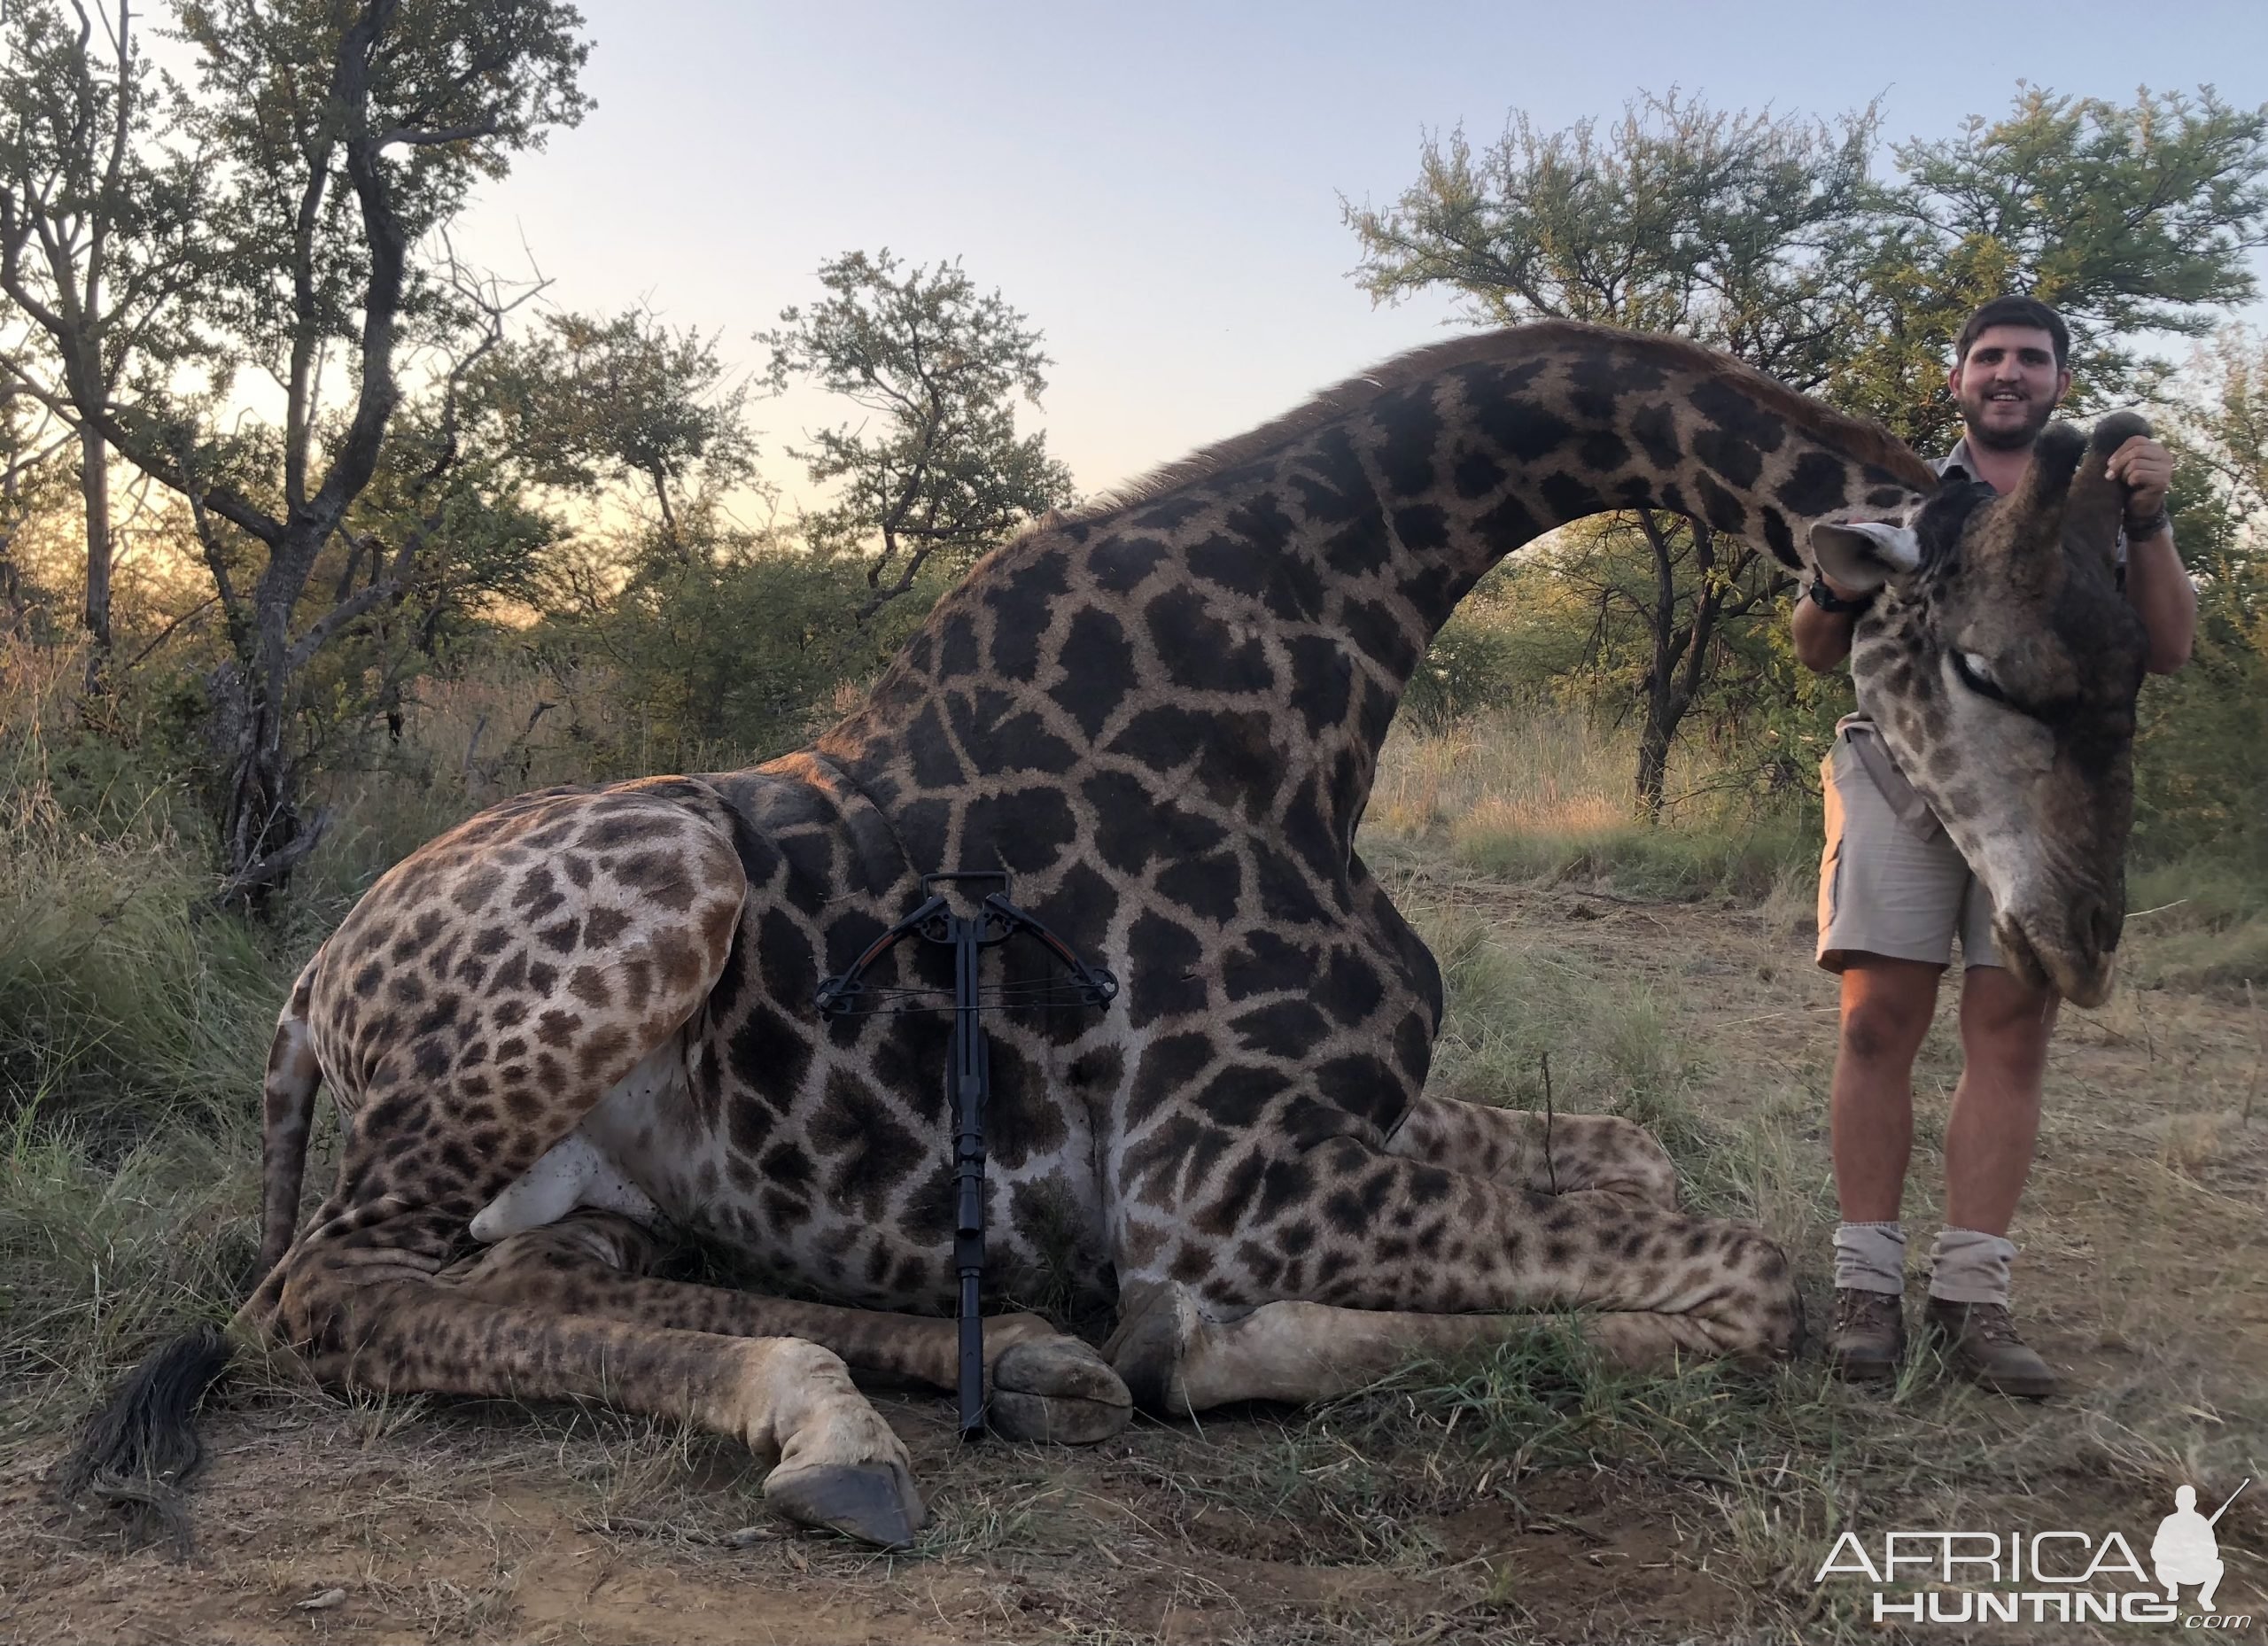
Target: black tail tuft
133	1455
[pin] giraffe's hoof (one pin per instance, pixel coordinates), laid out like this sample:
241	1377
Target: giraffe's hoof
873	1502
1057	1389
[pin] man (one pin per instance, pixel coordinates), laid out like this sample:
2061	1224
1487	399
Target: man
2185	1552
1894	892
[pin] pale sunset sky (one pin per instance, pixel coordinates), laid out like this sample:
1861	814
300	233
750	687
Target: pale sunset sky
1157	186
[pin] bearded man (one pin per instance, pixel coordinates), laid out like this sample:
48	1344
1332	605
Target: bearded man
1894	893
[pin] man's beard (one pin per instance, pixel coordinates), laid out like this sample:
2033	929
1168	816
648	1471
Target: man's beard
2019	438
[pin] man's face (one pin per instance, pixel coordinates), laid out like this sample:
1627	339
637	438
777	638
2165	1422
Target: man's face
2007	386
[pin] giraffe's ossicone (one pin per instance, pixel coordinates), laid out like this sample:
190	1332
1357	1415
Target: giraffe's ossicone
583	1021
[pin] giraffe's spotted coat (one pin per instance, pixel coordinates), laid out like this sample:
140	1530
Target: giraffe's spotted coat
1163	715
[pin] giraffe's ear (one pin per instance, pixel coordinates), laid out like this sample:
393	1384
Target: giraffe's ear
1862	555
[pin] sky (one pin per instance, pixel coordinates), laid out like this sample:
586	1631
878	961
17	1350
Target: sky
1158	187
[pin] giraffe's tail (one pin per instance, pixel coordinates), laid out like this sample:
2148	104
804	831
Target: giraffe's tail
134	1454
287	1114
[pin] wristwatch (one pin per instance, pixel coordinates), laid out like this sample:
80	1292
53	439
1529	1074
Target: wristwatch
1827	600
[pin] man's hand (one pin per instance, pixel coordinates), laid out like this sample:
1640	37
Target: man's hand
2146	469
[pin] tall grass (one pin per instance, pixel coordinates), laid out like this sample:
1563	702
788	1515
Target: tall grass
133	1027
1546	794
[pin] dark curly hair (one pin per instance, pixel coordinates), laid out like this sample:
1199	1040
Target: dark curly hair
2016	311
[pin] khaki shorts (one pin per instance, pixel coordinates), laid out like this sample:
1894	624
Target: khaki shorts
1892	883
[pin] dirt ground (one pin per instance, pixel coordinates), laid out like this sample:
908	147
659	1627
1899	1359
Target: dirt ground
2145	1274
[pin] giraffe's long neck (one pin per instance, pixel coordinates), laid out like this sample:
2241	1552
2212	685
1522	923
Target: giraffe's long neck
1243	636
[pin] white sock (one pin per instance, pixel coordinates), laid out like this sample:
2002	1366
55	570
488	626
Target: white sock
1870	1257
1968	1266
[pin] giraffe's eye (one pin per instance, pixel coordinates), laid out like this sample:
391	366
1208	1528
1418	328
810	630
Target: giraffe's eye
1976	673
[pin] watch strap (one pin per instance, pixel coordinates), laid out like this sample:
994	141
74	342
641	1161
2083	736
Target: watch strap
1827	600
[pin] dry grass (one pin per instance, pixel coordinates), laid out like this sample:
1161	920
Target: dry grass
1546	796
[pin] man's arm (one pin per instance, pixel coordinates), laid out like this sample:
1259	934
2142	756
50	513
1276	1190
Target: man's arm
2159	589
2157	584
1822	638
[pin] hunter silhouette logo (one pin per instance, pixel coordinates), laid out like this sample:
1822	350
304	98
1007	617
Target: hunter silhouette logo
2045	1577
2185	1552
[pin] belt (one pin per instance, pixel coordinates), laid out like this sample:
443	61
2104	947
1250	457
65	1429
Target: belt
1905	801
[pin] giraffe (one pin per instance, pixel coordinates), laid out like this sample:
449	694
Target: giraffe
583	1020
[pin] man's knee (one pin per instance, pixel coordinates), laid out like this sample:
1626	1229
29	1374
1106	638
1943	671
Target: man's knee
1886	1014
2003	1023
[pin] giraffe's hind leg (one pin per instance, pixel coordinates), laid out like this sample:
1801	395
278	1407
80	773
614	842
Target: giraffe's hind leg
1555	1153
835	1461
1043	1384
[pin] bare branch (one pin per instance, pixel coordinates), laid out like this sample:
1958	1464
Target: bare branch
380	591
410	137
167	633
277	865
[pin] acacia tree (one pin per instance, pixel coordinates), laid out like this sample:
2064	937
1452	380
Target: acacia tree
1768	238
337	140
97	249
946	476
628	407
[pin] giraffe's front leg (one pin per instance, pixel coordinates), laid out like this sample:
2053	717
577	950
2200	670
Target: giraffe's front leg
1410	1257
1555	1153
835	1462
1041	1384
1185	1356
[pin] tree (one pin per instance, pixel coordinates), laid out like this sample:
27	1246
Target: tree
947	476
30	444
2130	221
1736	229
593	405
96	224
337	140
2200	780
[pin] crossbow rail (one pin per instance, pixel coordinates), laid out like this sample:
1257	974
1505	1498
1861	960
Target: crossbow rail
995	921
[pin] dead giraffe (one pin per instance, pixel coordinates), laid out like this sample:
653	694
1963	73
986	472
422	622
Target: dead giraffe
586	1016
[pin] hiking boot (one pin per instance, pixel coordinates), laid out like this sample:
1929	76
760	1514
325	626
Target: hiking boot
1980	1342
1869	1337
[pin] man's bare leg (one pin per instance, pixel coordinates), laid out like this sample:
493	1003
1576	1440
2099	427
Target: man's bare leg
1887	1004
1886	1009
1995	1121
1989	1142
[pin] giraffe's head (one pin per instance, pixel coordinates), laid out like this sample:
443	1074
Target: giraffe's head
2001	664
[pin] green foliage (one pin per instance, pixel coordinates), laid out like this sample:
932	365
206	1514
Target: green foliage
946	476
121	997
740	653
2202	783
595	406
455	88
1726	227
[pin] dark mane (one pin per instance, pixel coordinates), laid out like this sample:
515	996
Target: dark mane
1868	442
